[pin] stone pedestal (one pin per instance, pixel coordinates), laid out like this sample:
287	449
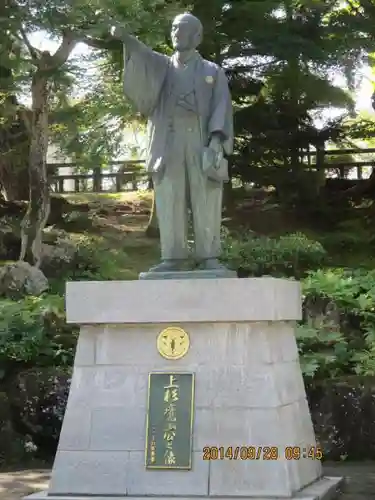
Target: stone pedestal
249	390
187	275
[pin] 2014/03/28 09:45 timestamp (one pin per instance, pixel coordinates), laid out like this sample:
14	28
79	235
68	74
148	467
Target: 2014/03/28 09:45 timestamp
261	452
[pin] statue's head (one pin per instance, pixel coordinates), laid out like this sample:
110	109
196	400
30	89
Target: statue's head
187	32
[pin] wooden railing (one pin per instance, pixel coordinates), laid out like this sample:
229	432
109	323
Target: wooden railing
341	169
130	175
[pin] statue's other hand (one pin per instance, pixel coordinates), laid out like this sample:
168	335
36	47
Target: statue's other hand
216	146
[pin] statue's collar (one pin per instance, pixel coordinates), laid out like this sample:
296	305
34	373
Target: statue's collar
185	58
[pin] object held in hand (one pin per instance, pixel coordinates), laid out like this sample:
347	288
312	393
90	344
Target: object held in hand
215	166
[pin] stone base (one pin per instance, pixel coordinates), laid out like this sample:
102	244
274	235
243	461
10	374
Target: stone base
325	488
188	275
249	390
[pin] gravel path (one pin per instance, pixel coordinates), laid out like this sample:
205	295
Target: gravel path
359	485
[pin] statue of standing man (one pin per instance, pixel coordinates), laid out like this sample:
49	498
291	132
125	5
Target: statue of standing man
190	132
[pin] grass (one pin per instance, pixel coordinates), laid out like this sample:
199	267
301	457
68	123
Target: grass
133	197
131	255
118	235
122	236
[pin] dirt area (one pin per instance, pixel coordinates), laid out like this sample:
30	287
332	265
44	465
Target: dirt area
15	485
359	484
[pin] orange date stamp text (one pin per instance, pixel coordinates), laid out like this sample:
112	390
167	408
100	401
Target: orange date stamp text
262	452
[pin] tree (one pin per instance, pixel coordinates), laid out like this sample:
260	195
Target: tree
278	82
14	135
281	81
70	23
39	199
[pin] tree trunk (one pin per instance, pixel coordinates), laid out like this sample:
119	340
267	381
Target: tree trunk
14	177
39	197
14	142
152	230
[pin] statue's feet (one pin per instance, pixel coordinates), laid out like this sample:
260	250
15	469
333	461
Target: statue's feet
212	265
165	266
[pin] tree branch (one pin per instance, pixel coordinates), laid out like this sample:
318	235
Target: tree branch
96	43
33	51
62	54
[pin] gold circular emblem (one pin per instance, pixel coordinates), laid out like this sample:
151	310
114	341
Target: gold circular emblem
173	343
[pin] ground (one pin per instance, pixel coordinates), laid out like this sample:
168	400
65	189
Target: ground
359	484
124	223
15	485
119	221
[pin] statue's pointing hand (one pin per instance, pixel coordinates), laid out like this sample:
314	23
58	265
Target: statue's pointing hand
118	31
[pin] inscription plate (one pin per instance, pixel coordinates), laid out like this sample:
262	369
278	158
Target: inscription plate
169	429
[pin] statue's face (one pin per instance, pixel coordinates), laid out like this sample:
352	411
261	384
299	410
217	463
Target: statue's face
185	33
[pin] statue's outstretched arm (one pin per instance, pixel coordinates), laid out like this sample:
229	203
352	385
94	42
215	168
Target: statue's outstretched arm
133	44
144	71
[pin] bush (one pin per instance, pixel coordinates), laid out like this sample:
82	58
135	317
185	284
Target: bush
350	236
92	260
286	256
343	414
38	398
12	449
337	336
33	332
36	354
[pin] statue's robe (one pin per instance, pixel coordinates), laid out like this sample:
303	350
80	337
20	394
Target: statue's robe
184	106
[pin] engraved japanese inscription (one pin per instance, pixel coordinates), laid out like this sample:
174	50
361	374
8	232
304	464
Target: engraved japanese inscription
169	421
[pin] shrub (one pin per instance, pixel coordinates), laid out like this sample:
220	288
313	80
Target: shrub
33	332
350	236
342	343
343	413
92	260
286	256
38	398
323	353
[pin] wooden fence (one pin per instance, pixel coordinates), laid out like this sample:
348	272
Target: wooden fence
358	164
130	175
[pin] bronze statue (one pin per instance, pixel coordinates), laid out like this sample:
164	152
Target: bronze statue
190	132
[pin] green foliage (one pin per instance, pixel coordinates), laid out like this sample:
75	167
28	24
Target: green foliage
289	256
92	260
33	332
350	235
345	346
94	126
324	353
351	290
285	81
337	335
